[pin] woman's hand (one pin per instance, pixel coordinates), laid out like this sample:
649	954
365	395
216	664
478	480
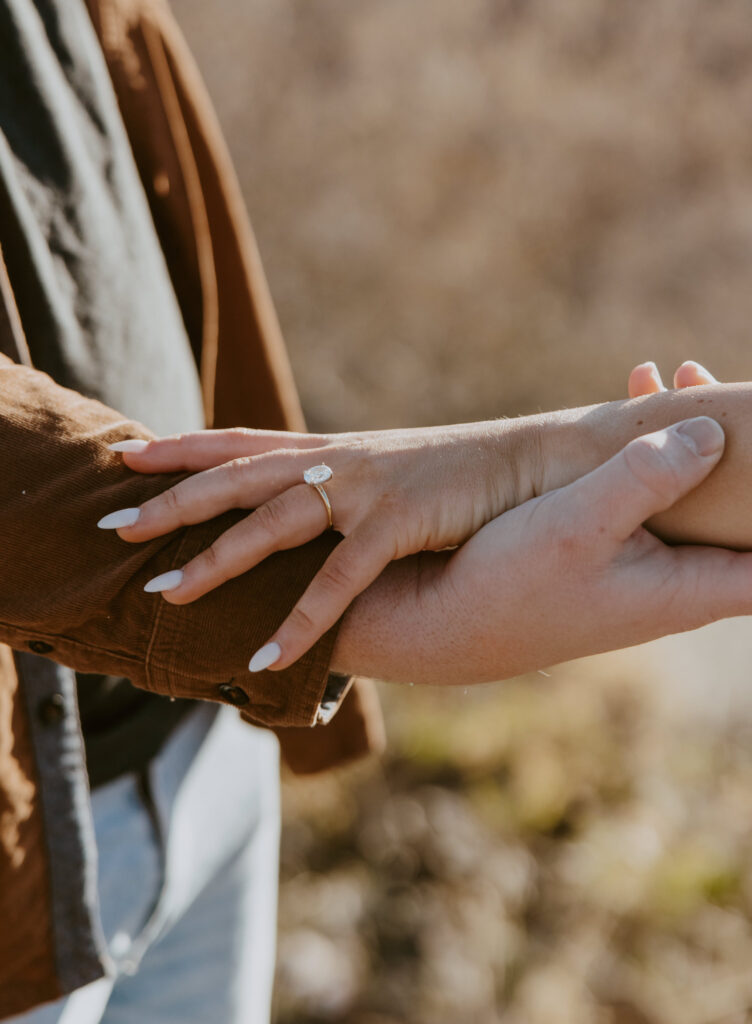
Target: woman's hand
393	493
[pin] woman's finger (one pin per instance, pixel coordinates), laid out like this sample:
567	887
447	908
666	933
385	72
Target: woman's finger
287	521
206	448
690	374
242	483
645	380
352	566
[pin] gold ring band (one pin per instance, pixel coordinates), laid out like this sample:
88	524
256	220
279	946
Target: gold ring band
315	477
327	503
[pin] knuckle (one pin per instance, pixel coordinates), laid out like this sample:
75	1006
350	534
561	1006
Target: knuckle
233	478
335	577
270	517
172	501
650	464
300	621
210	561
392	506
237	469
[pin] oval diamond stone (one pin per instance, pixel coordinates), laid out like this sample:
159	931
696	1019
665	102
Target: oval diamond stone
317	474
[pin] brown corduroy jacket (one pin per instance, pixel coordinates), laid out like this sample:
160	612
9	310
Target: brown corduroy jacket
74	594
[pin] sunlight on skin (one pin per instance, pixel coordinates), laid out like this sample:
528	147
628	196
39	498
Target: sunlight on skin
570	444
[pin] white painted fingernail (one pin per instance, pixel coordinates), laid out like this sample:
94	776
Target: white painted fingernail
128	446
265	657
123	517
167	581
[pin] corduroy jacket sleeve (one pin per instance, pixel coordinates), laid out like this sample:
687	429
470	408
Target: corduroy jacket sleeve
75	593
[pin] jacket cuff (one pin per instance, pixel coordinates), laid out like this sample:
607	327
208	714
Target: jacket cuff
356	731
336	689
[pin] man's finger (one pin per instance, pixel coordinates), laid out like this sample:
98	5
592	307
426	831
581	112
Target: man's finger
648	476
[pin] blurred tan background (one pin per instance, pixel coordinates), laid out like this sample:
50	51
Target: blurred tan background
482	208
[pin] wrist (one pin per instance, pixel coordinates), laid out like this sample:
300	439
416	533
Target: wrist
392	631
515	450
572	444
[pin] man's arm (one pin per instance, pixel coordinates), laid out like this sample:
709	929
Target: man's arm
76	592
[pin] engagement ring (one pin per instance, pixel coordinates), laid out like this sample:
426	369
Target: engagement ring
316	476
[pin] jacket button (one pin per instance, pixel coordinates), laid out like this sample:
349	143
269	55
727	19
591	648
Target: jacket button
51	710
40	646
233	694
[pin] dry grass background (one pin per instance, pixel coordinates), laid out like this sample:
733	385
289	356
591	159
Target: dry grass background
488	207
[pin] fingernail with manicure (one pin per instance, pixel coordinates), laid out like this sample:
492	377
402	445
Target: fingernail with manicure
128	446
702	434
123	517
265	657
167	581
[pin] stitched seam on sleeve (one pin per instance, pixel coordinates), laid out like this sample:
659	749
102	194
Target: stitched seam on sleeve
133	659
15	628
153	638
78	645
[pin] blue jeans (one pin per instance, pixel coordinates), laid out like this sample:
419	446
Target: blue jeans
188	862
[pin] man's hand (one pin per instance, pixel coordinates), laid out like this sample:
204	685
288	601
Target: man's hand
567	574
